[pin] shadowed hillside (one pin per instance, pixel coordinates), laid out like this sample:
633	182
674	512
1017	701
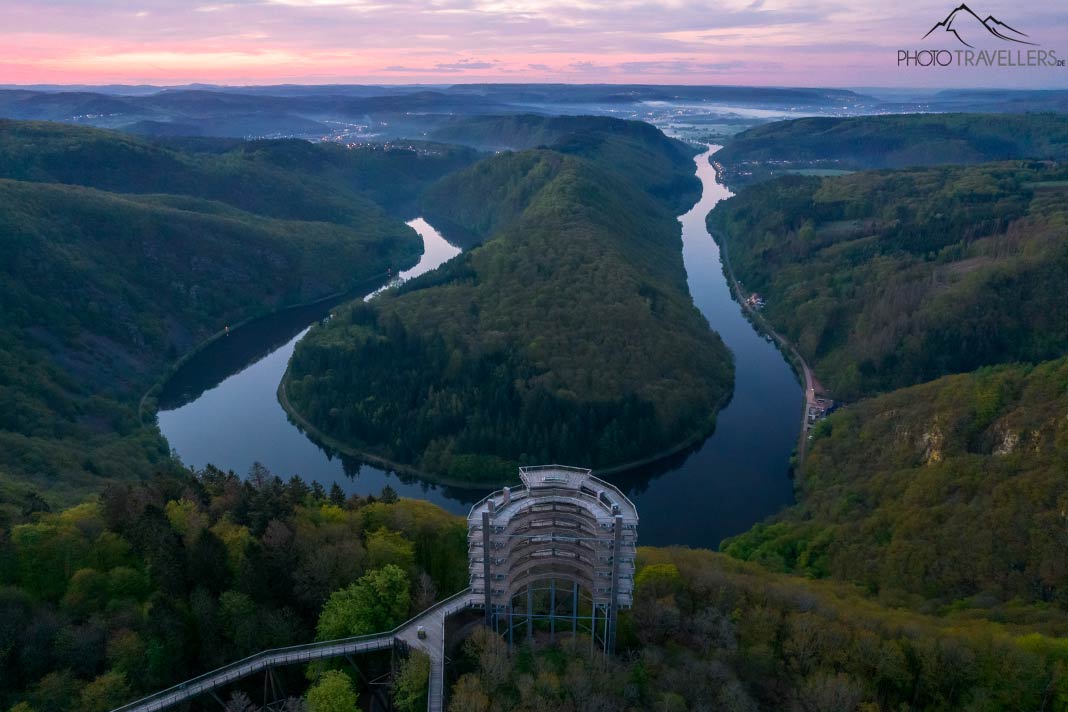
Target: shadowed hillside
886	279
121	254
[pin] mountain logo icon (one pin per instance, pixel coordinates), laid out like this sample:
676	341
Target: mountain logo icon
965	25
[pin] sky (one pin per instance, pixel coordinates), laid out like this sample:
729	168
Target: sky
845	43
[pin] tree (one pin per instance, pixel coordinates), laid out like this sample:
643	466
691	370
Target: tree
209	562
105	692
333	692
240	702
491	652
34	503
658	580
386	547
468	696
55	692
388	495
425	592
377	602
187	519
410	687
126	652
243	621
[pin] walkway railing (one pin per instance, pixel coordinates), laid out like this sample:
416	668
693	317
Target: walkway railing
276	657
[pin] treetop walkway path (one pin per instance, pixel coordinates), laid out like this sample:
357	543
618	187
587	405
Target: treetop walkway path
432	620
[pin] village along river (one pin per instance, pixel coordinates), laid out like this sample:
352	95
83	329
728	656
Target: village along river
221	408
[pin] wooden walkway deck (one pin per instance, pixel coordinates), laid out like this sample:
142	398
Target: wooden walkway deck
432	620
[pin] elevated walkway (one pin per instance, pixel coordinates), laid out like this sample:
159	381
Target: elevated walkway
432	620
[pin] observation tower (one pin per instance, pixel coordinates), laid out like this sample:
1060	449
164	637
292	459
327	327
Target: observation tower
555	555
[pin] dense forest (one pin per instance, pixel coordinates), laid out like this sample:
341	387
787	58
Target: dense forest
710	633
461	207
886	279
634	149
146	585
286	179
119	255
568	334
946	495
862	142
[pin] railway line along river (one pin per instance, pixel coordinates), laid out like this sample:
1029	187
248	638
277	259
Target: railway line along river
221	408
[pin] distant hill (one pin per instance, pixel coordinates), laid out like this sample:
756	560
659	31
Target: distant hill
886	279
230	113
864	142
632	93
564	333
120	254
360	113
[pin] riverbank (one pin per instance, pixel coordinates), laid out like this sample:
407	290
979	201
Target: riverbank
793	356
338	297
326	441
332	443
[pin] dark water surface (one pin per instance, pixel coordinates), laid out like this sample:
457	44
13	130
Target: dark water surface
221	408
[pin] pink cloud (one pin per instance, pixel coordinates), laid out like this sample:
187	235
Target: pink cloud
820	42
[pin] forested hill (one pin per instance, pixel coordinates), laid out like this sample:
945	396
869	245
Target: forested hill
887	279
516	132
637	150
951	492
120	254
288	179
942	492
863	142
567	335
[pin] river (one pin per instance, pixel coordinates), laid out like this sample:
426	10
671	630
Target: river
221	408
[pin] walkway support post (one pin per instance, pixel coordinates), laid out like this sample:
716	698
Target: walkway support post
574	610
487	584
613	611
530	614
552	610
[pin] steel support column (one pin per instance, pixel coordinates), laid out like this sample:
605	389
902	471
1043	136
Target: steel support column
530	615
593	624
613	610
487	585
552	610
574	610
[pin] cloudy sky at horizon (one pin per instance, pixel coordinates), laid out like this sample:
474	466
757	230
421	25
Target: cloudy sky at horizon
763	42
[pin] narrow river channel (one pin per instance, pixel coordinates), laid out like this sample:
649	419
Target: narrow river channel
221	408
